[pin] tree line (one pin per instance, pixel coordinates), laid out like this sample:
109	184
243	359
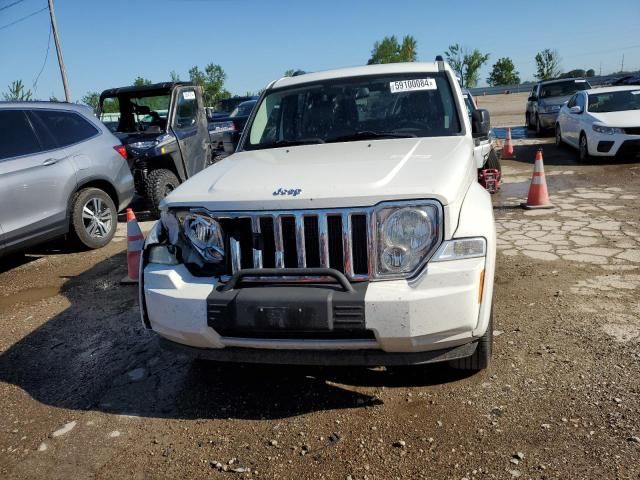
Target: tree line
467	62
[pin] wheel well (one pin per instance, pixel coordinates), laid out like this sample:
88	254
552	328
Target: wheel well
164	162
103	185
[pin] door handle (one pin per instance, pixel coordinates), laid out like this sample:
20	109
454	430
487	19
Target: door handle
50	161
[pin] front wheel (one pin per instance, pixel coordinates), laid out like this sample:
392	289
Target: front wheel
481	358
160	183
94	218
558	136
583	149
539	129
493	161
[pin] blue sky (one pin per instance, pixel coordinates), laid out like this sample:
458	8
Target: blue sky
109	43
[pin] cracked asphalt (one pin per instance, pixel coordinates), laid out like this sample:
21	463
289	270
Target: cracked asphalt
85	391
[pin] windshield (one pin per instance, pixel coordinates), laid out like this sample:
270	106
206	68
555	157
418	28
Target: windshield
614	101
360	108
563	89
135	114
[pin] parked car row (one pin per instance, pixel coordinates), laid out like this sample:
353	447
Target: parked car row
545	100
601	122
598	122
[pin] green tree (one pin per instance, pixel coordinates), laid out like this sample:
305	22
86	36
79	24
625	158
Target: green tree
455	58
503	72
547	64
141	81
389	50
466	63
92	99
17	92
212	82
591	73
290	72
473	61
175	76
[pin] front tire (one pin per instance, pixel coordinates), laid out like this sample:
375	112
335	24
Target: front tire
583	149
559	143
94	218
528	121
493	161
481	358
539	129
160	183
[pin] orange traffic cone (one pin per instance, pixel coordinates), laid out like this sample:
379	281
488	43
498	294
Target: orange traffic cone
135	242
507	149
538	193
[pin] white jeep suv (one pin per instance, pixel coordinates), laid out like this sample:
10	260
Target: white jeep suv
347	228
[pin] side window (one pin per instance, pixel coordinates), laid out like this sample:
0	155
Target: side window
18	138
67	128
572	102
187	109
580	101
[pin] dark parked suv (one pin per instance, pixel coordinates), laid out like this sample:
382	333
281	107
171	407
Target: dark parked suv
61	171
545	100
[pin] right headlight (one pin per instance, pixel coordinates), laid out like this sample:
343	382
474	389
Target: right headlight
406	236
205	235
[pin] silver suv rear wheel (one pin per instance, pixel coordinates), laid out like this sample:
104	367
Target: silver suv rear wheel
93	218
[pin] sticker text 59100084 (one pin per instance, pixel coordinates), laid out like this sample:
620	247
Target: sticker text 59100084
413	84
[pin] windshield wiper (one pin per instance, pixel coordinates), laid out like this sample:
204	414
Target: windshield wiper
370	134
288	143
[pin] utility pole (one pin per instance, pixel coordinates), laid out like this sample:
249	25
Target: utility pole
622	65
63	72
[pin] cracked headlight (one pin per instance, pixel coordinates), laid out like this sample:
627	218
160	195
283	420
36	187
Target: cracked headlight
205	235
406	235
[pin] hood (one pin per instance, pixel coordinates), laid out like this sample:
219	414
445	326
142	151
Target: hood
626	118
335	175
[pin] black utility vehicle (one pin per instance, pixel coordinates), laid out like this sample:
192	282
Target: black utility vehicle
164	128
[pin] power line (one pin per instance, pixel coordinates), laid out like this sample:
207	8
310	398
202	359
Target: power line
46	56
11	5
23	18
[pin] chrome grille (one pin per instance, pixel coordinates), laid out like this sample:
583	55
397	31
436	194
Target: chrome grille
339	239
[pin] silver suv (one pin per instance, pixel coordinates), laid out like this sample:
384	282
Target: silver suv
61	171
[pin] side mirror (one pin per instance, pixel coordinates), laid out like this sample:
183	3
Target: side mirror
230	141
576	109
532	98
480	123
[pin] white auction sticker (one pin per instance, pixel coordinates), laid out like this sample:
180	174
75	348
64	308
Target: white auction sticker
635	92
413	85
189	95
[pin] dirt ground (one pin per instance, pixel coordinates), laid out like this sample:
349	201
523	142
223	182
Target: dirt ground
506	110
86	393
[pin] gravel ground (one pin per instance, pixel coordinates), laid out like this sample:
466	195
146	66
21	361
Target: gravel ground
85	391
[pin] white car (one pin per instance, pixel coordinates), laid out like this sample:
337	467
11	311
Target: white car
347	228
602	122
